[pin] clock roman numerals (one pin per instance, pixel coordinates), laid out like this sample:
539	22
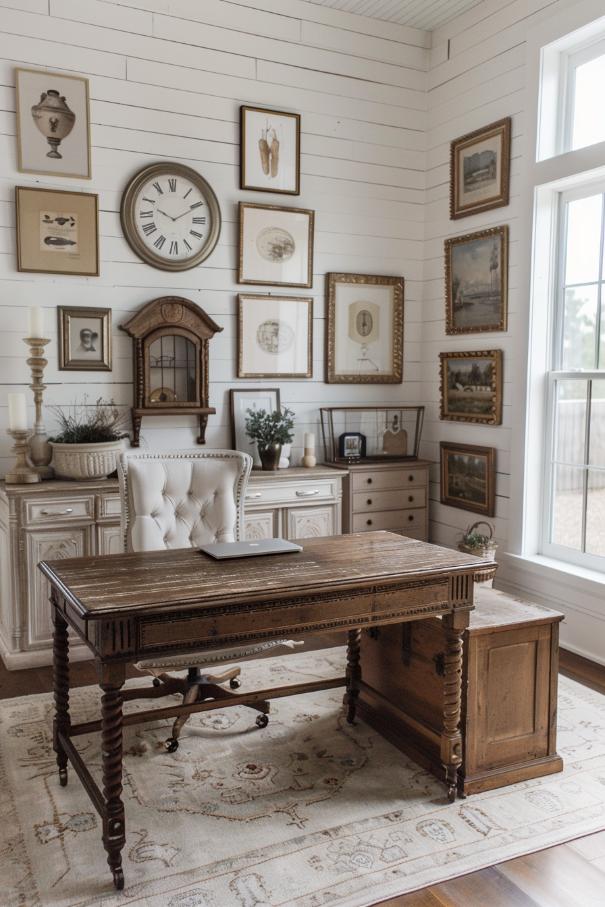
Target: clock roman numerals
158	188
151	201
190	189
197	235
172	184
199	220
196	205
145	213
174	248
160	242
189	248
148	229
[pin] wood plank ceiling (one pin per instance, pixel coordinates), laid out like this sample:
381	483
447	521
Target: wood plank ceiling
426	14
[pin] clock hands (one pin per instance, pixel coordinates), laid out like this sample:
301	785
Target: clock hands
166	215
178	217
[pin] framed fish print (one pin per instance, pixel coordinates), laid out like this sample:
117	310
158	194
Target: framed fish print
269	150
275	245
476	282
57	231
364	343
471	387
480	170
468	477
274	336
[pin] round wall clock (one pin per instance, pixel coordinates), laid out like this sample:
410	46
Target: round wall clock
170	216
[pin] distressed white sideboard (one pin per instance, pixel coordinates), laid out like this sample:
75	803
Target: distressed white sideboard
59	519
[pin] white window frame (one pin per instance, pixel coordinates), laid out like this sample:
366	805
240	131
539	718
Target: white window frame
571	59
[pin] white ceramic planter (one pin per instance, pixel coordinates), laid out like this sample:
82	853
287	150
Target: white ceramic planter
86	461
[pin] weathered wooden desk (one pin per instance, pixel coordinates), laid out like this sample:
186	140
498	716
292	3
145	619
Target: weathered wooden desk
131	606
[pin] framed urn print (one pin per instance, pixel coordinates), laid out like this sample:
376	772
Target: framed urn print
468	477
275	245
243	399
476	282
365	329
53	123
471	387
84	339
480	170
269	150
274	336
57	232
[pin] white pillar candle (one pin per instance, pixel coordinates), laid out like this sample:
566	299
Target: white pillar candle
17	412
36	322
309	441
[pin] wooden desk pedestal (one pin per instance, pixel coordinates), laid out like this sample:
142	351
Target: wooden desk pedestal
509	691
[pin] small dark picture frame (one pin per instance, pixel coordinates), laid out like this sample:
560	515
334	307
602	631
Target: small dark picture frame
480	170
84	339
468	477
352	445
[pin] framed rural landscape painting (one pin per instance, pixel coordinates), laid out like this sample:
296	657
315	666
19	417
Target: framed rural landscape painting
468	477
471	387
480	170
476	282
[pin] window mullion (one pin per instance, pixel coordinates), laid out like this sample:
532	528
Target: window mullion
586	450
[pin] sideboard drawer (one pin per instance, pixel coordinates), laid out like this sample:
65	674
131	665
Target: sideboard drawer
399	520
368	501
392	478
63	509
110	507
283	492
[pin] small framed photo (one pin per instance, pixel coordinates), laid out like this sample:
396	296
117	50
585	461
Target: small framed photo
352	445
269	150
84	339
476	282
468	477
275	245
471	387
274	336
241	401
53	123
480	170
364	342
57	232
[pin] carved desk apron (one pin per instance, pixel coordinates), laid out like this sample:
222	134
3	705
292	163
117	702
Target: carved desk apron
132	606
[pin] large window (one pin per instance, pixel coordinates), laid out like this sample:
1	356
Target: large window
585	123
574	497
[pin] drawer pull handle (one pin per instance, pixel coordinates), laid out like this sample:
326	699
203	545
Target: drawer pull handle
411	517
369	481
307	494
369	501
410	478
57	512
257	494
411	499
368	522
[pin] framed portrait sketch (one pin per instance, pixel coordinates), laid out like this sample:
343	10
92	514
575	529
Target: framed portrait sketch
364	343
53	123
84	339
275	245
471	387
57	232
241	400
476	282
468	477
269	150
480	170
274	336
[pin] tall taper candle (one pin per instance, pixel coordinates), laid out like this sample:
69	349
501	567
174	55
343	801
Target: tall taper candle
17	412
36	321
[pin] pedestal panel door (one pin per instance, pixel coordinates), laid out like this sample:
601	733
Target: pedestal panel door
109	540
310	522
261	525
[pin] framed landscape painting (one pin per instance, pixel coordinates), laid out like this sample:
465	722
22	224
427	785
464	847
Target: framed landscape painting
476	282
269	150
471	387
480	170
468	477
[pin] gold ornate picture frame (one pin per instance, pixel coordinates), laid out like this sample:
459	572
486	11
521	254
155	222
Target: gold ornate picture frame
480	170
476	282
471	387
84	339
364	337
468	477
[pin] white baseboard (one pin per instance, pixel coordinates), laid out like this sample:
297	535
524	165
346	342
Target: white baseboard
39	658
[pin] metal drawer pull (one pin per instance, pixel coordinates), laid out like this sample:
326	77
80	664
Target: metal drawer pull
411	498
57	512
257	494
369	501
410	478
369	481
307	494
368	522
411	517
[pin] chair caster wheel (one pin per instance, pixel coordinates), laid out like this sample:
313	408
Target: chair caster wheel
262	720
155	682
234	683
118	879
451	793
171	745
63	777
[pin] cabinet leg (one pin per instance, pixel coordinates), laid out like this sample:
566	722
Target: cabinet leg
61	721
353	674
451	736
114	830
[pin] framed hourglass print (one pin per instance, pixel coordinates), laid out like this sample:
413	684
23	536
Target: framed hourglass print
365	329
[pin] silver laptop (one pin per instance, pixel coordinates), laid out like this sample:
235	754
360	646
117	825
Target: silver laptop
224	550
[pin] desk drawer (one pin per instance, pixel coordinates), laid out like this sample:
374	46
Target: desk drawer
390	519
389	478
284	493
59	510
366	502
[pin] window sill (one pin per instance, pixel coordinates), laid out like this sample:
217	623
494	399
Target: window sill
564	568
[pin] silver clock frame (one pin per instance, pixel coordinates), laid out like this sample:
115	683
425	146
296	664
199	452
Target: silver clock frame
127	215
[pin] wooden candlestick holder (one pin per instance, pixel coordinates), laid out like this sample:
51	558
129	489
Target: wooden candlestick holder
21	473
40	451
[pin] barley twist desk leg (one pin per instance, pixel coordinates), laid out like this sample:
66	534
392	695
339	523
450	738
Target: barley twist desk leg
451	736
114	831
61	723
353	674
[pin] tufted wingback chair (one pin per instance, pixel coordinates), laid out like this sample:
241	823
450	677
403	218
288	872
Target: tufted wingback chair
184	499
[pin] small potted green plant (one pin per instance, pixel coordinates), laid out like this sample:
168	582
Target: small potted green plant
89	441
479	543
270	431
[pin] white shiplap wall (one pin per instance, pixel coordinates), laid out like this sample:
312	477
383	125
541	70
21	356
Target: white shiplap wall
166	80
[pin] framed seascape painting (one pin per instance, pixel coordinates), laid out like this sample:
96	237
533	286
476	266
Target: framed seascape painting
241	401
364	343
53	123
468	477
471	387
274	337
57	232
269	150
84	339
476	282
275	245
480	170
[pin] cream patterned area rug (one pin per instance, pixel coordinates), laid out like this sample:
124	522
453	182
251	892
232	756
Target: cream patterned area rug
306	812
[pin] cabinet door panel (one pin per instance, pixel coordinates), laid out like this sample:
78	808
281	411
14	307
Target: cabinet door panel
109	540
260	525
310	522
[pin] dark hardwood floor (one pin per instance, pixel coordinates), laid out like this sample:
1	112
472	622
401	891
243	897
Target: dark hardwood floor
568	875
